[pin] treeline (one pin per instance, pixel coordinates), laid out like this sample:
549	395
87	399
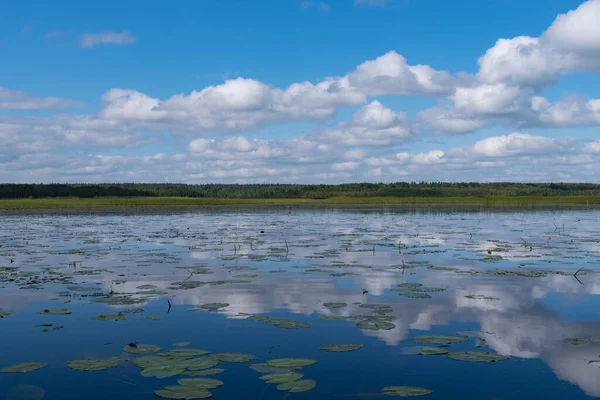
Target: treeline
253	191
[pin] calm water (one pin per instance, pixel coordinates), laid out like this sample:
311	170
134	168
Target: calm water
507	278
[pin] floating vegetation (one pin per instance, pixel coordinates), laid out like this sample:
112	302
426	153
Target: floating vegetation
264	368
154	317
23	367
183	392
303	385
181	344
440	339
335	305
234	357
206	372
432	351
290	362
5	314
54	311
480	297
405	391
476	356
205	383
214	306
82	289
201	363
282	377
134	311
283	323
117	300
576	341
140	348
109	317
339	348
415	295
374	323
186	352
332	318
480	342
96	365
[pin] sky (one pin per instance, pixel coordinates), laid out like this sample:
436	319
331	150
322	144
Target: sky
299	91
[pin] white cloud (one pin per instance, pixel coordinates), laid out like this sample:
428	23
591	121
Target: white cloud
89	40
577	30
19	100
515	144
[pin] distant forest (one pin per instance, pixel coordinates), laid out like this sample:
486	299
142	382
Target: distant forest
255	191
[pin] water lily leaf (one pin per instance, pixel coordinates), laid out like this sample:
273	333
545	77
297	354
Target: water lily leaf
96	365
480	342
375	325
595	339
432	351
290	362
183	392
153	317
440	339
181	344
141	348
267	369
476	356
109	317
202	363
205	383
417	289
576	341
54	311
146	287
161	371
282	377
406	391
23	367
332	318
415	295
214	306
82	289
290	324
117	300
206	372
234	357
411	285
260	318
377	307
134	311
335	305
339	348
5	314
303	385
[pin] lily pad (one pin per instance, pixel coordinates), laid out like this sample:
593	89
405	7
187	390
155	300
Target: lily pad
576	341
290	324
375	325
432	351
23	367
440	339
214	306
332	318
141	348
183	392
267	369
303	385
595	339
162	371
205	383
5	314
206	372
340	348
411	285
234	357
413	295
153	317
290	362
406	391
480	343
96	365
197	364
117	300
54	311
134	311
282	377
335	305
476	356
109	317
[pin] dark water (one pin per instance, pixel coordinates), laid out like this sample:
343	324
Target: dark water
507	278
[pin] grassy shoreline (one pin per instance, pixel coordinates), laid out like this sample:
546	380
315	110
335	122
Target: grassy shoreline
72	203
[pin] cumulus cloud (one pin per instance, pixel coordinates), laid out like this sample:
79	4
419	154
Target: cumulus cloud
19	100
89	40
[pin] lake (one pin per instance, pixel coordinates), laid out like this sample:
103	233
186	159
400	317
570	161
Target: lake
246	303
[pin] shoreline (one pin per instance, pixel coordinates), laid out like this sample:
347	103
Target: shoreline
112	203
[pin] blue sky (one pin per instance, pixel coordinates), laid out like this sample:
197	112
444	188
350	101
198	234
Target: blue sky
380	76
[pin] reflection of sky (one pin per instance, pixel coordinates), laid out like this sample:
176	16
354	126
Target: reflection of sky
523	317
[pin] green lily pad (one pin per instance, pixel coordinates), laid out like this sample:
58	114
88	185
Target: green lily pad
183	392
411	285
385	308
206	372
260	318
134	311
282	377
339	348
267	369
213	306
187	352
290	324
418	289
595	339
480	343
23	367
576	341
205	383
161	371
6	314
146	287
432	351
109	317
96	365
406	391
332	318
375	325
202	363
82	289
476	356
440	339
117	300
153	317
141	348
54	311
335	305
290	362
303	385
234	357
412	295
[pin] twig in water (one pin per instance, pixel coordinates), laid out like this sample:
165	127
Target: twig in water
575	275
287	249
169	309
